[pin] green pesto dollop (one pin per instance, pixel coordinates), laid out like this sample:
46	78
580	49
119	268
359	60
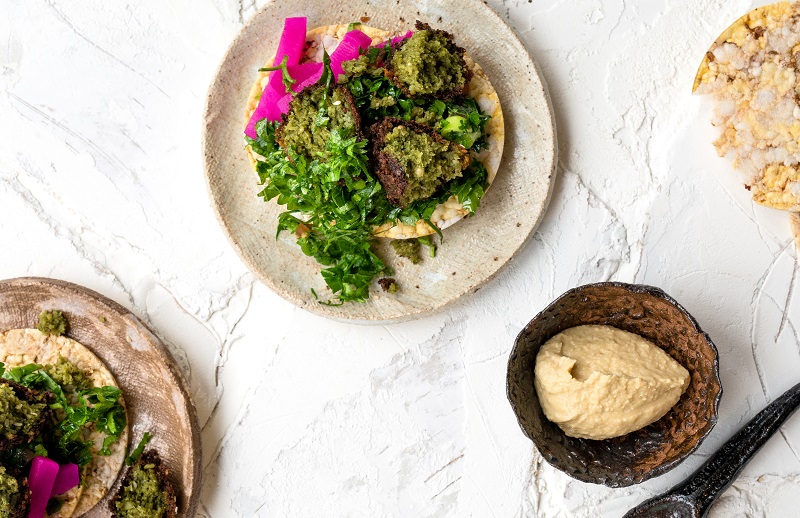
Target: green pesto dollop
427	65
68	375
377	103
423	116
356	67
52	323
311	118
427	162
9	493
408	248
143	496
17	417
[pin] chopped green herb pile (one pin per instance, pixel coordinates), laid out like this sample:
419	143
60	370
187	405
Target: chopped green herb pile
334	202
77	408
68	375
427	64
52	323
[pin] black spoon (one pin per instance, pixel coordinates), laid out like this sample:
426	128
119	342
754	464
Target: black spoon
693	498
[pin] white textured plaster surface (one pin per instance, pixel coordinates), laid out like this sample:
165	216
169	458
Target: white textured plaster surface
101	184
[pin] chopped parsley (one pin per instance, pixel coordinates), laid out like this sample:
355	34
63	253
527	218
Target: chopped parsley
137	452
287	79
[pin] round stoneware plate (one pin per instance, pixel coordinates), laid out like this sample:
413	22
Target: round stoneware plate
474	249
155	393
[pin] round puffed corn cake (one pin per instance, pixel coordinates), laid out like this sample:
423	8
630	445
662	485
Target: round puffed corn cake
753	73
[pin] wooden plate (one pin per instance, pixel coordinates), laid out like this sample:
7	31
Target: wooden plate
155	392
474	249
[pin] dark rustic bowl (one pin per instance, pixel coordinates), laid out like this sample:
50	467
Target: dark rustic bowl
645	453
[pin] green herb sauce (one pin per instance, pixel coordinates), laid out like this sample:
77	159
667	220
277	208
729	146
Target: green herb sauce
312	116
426	65
408	248
52	323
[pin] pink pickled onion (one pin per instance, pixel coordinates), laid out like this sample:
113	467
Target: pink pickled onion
283	103
396	39
40	482
293	40
68	477
349	48
275	99
306	74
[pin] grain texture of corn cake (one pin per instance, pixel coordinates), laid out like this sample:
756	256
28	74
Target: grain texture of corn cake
753	73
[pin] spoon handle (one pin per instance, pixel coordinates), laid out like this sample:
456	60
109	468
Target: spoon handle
722	468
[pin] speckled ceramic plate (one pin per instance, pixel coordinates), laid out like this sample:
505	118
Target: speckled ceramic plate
155	393
474	249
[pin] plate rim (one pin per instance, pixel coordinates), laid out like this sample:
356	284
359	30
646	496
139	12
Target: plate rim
164	356
411	312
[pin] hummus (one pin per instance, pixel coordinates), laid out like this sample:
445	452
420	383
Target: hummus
599	382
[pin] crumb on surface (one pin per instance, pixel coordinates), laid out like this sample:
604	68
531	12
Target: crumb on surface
389	285
53	323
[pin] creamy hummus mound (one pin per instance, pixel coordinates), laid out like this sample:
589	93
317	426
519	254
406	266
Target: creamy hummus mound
599	382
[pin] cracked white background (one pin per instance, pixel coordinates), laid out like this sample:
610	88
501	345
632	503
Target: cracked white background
101	184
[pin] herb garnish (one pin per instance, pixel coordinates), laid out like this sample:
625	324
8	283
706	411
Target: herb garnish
284	68
137	452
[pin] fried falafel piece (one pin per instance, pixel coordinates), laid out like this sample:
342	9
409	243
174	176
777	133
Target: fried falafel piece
15	498
24	412
145	491
306	128
412	161
429	65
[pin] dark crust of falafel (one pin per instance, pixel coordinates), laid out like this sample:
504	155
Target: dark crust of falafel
387	168
447	95
29	396
350	106
162	472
